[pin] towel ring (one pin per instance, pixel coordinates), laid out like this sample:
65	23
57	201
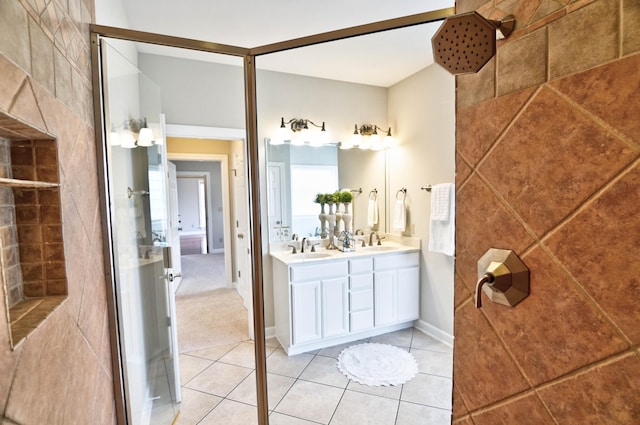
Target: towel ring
404	193
374	192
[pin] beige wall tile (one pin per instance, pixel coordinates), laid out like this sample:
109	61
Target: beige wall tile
14	34
523	63
585	38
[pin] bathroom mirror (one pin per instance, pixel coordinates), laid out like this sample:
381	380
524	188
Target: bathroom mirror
297	173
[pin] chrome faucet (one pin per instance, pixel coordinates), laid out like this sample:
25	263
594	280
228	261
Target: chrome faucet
358	232
371	238
304	242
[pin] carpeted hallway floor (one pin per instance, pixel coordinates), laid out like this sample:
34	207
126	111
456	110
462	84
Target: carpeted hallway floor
209	313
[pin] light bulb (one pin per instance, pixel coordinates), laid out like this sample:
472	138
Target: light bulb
146	137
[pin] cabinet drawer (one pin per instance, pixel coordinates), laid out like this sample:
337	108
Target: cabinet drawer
323	270
361	320
361	281
361	300
385	262
363	265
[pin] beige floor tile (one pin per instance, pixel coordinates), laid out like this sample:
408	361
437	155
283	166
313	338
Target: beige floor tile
243	355
213	353
337	349
415	414
365	409
428	390
279	419
434	362
324	370
292	366
195	405
219	379
401	338
310	401
391	391
191	366
425	342
230	412
277	387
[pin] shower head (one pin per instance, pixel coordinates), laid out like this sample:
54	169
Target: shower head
466	42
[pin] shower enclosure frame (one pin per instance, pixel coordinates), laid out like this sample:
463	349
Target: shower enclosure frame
97	32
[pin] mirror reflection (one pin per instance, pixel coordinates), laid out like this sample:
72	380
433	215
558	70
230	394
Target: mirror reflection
297	174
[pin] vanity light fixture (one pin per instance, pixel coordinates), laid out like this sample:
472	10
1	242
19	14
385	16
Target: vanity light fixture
299	133
134	133
366	137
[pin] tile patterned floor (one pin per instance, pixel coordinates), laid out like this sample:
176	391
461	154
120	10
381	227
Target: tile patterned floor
308	389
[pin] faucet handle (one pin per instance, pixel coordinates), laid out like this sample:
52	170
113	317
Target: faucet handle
380	240
294	250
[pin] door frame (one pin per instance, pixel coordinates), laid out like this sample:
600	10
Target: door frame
97	32
217	133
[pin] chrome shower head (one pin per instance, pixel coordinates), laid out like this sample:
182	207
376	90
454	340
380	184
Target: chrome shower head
466	42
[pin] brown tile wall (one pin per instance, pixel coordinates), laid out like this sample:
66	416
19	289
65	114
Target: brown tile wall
548	165
61	374
41	255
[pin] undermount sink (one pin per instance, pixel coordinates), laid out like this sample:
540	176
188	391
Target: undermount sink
311	255
379	248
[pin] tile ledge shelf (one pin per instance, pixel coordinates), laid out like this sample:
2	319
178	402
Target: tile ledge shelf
25	183
27	315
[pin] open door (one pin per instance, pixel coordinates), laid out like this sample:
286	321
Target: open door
243	277
138	214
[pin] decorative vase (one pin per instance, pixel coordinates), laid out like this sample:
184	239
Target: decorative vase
323	222
338	219
347	216
331	221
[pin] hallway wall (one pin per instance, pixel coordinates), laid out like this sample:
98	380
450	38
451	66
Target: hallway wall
61	374
548	147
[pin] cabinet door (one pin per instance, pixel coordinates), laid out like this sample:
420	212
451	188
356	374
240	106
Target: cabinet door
306	302
385	297
408	293
335	307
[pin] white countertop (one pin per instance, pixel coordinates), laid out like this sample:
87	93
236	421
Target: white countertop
322	254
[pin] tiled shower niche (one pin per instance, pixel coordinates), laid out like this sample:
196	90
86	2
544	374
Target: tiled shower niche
32	260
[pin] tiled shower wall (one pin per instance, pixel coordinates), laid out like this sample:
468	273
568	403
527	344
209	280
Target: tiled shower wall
61	374
548	146
11	273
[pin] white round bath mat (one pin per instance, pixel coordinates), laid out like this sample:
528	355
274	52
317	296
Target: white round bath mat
377	364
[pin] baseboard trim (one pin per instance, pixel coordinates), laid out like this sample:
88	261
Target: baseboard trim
270	332
434	332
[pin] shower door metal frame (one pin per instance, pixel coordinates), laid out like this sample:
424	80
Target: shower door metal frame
97	32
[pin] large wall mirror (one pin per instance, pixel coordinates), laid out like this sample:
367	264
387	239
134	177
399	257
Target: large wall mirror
296	174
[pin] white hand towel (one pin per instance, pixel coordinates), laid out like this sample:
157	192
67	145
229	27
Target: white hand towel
440	194
372	212
400	215
442	233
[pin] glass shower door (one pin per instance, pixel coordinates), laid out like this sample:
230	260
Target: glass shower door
141	245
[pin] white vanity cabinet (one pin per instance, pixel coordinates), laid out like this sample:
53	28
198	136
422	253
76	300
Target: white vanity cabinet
361	294
397	289
333	301
319	301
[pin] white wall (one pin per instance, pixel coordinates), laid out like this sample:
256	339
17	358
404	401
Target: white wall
422	112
